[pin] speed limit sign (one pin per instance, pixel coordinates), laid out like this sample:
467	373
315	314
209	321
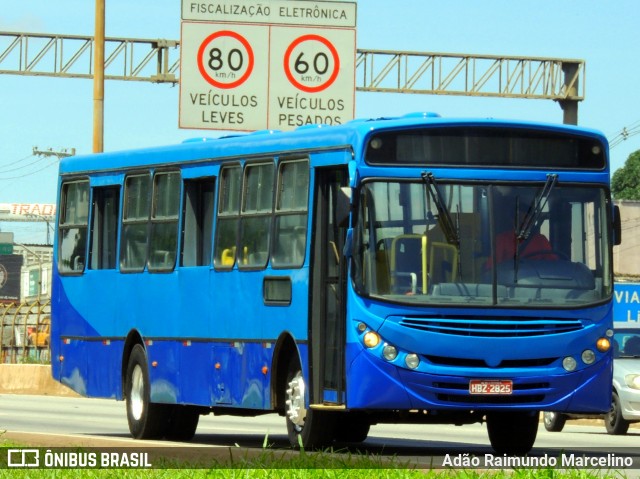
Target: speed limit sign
281	65
222	81
225	59
312	77
311	63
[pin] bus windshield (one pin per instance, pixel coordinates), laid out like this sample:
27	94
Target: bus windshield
462	243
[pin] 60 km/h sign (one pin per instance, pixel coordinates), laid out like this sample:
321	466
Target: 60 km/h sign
311	63
223	63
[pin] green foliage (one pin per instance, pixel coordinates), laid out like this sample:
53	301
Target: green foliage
625	183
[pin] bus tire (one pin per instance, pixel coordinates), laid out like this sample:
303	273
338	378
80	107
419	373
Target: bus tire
554	421
351	428
306	428
183	423
613	420
147	420
512	433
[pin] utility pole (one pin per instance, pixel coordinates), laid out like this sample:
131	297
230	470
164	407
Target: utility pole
98	80
62	153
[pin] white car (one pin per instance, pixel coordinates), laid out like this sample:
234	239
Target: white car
625	399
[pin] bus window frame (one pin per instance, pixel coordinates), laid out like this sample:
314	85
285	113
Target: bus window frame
125	221
64	225
280	212
155	220
242	253
234	214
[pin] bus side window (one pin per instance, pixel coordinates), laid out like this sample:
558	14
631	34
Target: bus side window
135	219
257	211
197	222
73	226
163	239
228	217
104	227
290	227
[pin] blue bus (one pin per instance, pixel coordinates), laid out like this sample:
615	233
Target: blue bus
414	269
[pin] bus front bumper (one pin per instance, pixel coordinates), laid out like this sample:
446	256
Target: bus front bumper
376	384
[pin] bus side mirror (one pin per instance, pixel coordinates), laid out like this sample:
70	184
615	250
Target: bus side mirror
617	226
343	206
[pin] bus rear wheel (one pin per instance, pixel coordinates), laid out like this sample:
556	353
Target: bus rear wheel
147	420
306	428
512	433
183	423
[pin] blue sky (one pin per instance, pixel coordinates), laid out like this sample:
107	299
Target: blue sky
57	113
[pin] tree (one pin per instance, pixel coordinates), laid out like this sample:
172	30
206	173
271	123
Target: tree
625	183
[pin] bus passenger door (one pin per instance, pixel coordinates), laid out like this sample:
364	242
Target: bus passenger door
327	305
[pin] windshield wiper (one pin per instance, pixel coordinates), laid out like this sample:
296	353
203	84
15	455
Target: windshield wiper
533	214
446	222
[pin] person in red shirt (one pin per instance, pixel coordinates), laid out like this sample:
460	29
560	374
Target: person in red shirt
536	246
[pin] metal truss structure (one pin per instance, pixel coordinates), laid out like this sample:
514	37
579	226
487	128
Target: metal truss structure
158	61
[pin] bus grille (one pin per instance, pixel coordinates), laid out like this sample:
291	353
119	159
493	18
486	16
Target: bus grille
494	327
480	363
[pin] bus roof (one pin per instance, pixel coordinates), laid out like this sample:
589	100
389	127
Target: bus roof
274	142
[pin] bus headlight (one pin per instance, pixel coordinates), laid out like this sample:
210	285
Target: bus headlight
588	356
389	352
412	361
569	364
371	339
632	380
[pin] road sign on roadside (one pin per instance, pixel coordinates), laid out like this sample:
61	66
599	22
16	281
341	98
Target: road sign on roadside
6	248
275	65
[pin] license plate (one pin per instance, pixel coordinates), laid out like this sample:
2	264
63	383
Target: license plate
489	386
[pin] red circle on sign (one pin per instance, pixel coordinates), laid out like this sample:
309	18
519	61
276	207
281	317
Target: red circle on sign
203	70
334	54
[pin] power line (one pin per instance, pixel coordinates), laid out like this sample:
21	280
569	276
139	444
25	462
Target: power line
8	170
625	133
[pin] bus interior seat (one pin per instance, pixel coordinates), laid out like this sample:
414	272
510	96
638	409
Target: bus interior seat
443	262
228	256
406	262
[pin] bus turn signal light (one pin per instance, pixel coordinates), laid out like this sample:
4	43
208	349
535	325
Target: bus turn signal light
371	339
603	345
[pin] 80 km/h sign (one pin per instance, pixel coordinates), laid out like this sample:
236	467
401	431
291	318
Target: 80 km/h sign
225	59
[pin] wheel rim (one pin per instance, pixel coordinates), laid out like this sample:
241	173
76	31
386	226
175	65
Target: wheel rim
549	417
296	411
137	392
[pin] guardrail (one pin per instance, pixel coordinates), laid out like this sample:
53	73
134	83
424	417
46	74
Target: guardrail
25	330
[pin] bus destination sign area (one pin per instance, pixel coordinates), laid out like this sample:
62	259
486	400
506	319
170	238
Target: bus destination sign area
273	65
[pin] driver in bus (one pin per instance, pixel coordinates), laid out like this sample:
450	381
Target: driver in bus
535	246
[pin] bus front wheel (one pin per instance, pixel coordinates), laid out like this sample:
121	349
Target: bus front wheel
512	433
306	428
146	419
554	421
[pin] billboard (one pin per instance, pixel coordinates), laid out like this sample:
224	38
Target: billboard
10	267
626	302
27	212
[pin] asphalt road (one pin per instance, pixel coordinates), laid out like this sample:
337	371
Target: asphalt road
59	421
